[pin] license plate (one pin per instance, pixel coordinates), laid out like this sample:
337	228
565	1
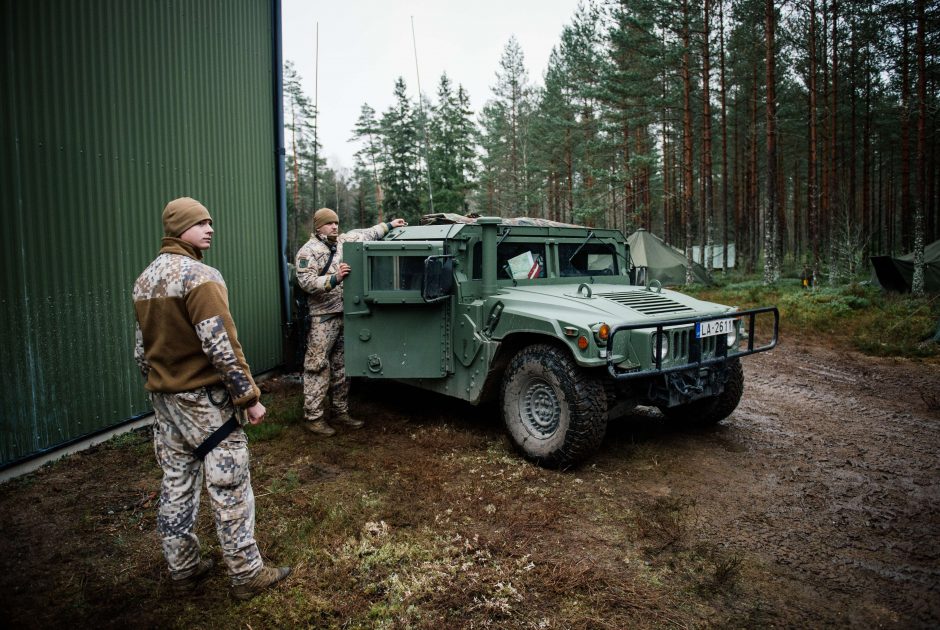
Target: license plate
714	327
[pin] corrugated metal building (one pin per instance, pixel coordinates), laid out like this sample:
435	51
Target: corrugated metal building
110	108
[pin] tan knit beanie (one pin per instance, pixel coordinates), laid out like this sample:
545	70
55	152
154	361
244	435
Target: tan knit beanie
323	216
181	214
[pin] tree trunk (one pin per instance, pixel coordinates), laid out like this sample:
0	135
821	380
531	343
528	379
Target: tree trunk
688	183
917	282
812	191
770	216
724	139
905	135
835	192
867	206
707	140
753	215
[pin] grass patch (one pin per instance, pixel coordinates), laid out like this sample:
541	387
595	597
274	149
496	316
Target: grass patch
139	440
267	430
856	316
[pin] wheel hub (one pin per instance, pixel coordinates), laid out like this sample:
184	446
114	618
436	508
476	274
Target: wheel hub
540	408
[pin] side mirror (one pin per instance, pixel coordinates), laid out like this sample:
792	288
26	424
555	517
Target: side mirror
639	275
438	278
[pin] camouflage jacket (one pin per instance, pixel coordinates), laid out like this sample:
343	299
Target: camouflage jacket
186	338
324	298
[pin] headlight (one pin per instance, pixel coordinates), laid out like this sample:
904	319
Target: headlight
732	336
663	348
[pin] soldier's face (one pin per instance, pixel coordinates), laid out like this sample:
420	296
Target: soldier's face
199	235
329	229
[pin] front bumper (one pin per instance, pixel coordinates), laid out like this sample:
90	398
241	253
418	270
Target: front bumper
701	352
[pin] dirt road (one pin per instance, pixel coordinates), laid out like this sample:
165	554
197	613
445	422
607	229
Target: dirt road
834	480
816	504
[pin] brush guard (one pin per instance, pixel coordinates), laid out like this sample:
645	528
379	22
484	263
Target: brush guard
695	359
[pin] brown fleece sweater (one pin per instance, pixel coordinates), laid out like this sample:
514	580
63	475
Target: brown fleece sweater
186	338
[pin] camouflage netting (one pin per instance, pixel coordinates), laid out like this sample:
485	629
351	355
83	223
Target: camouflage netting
447	218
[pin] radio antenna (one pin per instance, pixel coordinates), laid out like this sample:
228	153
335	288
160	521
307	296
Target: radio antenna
424	127
316	112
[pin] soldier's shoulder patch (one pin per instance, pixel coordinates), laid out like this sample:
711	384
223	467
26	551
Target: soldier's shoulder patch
303	263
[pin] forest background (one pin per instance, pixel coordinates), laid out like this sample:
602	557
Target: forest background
804	132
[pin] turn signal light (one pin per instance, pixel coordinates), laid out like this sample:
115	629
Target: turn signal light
583	342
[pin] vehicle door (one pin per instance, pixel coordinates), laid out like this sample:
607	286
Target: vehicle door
397	322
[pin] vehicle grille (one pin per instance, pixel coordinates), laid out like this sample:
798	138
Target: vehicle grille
680	345
646	302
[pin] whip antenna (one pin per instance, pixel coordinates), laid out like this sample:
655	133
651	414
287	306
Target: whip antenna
316	112
424	127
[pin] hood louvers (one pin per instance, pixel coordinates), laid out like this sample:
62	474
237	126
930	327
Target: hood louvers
646	302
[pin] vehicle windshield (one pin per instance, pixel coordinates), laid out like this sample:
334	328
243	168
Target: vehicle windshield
587	259
515	261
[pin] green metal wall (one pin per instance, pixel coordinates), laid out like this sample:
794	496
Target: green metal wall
110	108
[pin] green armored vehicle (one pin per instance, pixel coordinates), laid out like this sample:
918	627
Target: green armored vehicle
549	320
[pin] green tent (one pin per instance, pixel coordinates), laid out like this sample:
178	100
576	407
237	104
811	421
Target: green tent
895	273
663	262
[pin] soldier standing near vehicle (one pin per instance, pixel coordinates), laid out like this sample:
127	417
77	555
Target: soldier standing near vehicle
198	378
320	272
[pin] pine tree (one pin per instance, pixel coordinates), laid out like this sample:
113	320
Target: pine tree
630	69
580	54
504	122
400	176
771	269
302	160
368	161
452	149
552	158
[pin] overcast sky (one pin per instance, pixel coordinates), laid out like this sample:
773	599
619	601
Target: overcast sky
365	45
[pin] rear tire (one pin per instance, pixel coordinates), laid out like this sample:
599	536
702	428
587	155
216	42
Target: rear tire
709	411
555	412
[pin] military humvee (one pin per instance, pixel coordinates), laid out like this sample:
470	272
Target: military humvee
548	319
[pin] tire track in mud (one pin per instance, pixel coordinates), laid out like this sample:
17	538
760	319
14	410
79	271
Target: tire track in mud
847	461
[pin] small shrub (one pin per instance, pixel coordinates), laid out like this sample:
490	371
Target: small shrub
727	572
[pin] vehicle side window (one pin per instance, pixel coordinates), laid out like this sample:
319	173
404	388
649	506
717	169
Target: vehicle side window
593	259
396	273
513	260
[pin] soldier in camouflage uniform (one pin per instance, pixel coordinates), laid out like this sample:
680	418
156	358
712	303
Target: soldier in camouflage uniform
320	272
197	376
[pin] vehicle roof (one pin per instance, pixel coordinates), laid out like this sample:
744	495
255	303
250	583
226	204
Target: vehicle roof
520	226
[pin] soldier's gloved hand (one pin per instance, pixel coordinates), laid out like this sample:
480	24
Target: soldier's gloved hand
256	413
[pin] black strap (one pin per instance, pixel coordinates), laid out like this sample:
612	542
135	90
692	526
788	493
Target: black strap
328	260
215	437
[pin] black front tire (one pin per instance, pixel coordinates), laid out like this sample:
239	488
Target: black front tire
709	411
555	411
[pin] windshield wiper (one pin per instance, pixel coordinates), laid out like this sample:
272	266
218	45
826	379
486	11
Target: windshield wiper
580	247
604	243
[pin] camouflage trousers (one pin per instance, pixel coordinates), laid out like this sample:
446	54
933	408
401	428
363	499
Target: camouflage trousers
325	368
183	421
